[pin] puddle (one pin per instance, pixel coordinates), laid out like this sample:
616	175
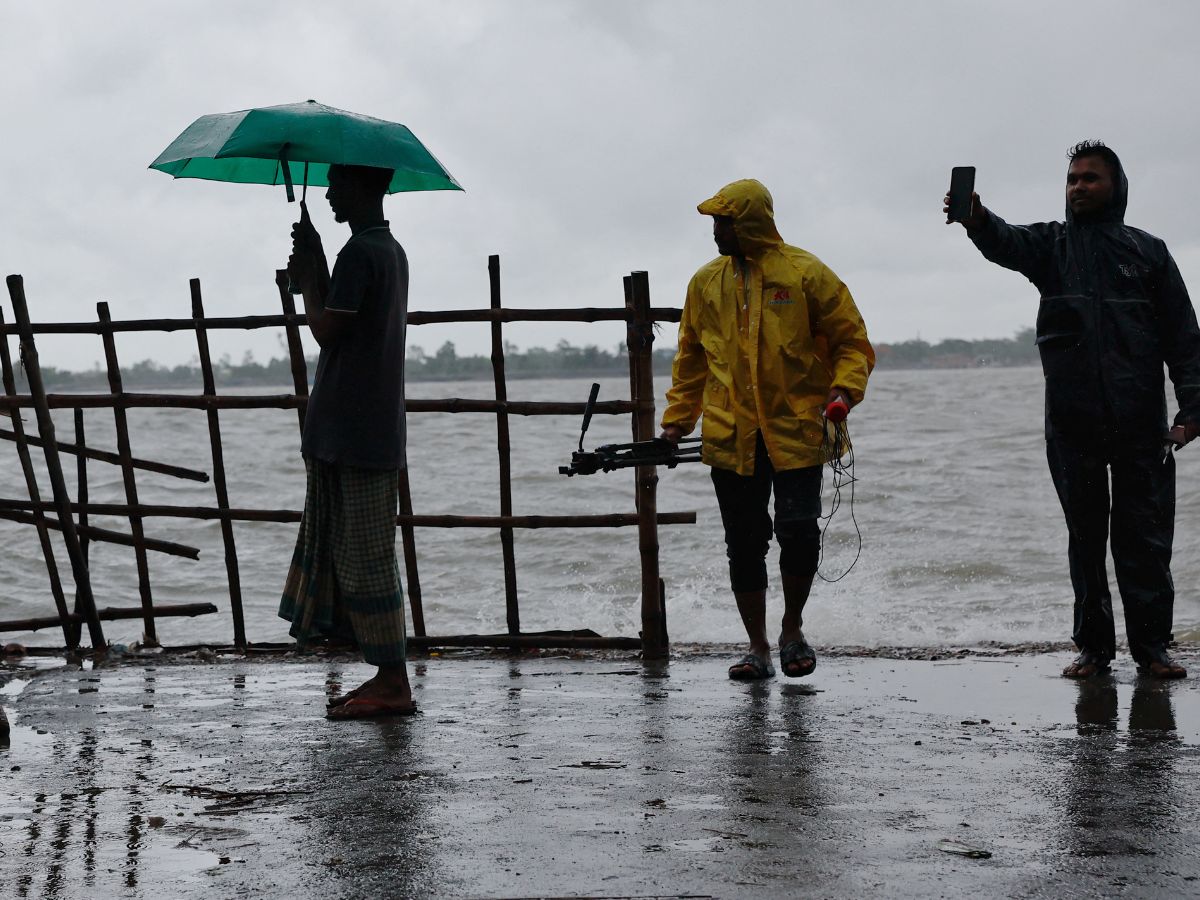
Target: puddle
13	688
25	741
703	801
182	862
698	845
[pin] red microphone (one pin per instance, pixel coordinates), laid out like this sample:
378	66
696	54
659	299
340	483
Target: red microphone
837	410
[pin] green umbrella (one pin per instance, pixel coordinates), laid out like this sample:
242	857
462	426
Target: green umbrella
298	142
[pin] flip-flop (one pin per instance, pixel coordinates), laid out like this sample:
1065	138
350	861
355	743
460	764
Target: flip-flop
751	668
343	699
366	708
794	653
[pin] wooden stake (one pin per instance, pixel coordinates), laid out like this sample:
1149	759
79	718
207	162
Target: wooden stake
218	463
655	644
408	540
150	637
33	373
295	346
70	634
504	452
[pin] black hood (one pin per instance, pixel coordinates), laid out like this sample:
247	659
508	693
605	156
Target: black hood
1120	197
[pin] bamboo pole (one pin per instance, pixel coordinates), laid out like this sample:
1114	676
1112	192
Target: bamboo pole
416	317
218	463
655	644
527	642
70	635
150	637
295	346
110	613
33	373
134	400
105	456
103	535
149	511
408	541
503	449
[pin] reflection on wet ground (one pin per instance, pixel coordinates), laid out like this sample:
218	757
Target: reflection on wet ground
599	776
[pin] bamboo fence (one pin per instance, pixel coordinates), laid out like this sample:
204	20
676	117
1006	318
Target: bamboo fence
69	516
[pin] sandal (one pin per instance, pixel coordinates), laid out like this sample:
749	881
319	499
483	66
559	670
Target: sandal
1160	665
797	653
1087	664
365	708
751	668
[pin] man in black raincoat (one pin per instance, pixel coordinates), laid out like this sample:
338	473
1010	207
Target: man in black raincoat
1113	311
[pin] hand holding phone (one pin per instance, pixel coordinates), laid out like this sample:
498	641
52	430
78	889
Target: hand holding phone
962	189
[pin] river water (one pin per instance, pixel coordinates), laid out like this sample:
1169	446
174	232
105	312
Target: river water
962	536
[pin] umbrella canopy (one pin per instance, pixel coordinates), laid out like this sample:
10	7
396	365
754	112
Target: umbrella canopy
298	142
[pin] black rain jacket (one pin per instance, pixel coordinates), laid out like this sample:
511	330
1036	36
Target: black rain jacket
1114	310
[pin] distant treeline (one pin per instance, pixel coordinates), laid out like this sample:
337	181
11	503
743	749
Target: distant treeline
564	361
1019	350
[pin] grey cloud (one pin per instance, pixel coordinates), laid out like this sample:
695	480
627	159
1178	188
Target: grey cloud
585	134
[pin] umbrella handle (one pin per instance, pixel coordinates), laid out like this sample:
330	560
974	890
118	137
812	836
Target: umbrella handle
287	174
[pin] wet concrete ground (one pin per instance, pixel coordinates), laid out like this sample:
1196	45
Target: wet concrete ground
600	777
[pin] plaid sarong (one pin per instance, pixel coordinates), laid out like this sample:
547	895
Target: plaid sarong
344	581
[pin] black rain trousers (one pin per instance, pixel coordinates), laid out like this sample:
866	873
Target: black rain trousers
1141	513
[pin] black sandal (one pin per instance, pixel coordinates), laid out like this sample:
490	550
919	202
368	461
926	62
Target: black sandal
794	653
751	668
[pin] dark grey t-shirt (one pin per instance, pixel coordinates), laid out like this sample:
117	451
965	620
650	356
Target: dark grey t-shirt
356	411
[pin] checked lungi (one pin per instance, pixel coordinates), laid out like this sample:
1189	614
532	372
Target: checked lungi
344	581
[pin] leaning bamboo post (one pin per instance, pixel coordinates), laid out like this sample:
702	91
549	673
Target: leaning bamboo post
408	540
295	347
33	373
218	473
104	456
103	534
150	637
503	448
70	632
641	349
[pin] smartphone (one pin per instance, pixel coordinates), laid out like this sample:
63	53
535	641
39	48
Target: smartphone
962	186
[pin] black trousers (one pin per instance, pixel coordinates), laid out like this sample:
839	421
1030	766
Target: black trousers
748	525
1141	515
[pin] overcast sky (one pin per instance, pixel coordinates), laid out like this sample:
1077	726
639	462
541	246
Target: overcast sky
584	133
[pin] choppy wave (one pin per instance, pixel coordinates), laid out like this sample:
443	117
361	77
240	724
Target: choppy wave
963	540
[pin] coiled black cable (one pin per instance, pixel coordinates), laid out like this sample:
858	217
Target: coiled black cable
839	450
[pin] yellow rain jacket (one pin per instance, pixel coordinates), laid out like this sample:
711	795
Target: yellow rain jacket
760	346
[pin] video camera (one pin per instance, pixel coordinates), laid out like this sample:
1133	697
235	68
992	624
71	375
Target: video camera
654	452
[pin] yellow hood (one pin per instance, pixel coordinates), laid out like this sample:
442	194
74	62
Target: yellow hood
749	204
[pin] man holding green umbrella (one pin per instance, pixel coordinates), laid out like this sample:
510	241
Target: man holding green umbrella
344	580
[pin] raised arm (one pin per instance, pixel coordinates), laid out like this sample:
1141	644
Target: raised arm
1022	248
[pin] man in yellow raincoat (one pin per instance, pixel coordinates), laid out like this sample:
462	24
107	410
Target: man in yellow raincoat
769	337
